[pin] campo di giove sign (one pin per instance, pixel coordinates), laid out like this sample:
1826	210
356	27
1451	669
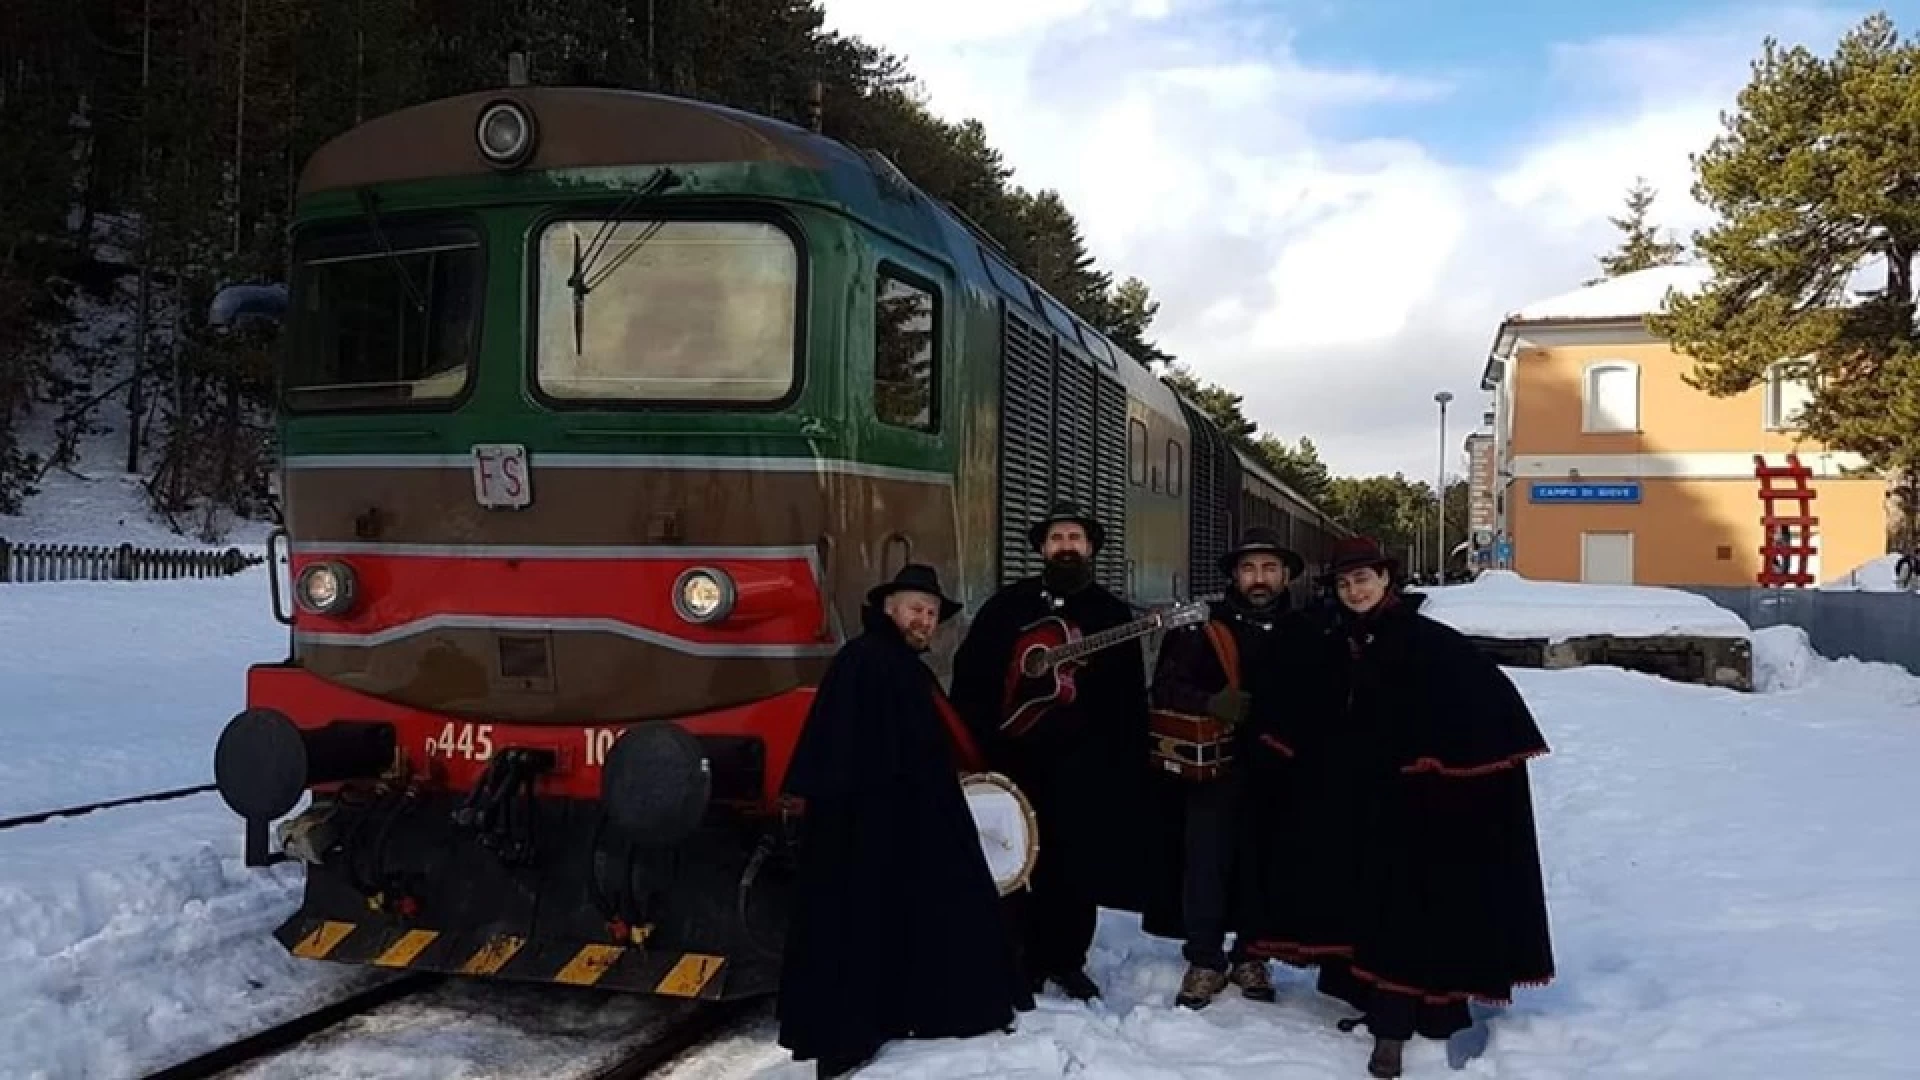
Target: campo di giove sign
1627	491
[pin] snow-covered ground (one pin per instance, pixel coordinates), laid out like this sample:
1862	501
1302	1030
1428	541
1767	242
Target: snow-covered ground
110	689
1732	877
1501	603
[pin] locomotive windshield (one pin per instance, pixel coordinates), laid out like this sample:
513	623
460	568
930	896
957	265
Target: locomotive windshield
383	317
667	311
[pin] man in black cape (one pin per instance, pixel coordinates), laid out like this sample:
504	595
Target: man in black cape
897	928
1083	765
1401	857
1224	670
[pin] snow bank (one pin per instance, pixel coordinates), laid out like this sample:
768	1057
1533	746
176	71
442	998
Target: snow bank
134	938
1784	662
1501	603
110	689
1875	575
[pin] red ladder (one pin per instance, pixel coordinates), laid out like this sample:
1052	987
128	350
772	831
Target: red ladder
1789	546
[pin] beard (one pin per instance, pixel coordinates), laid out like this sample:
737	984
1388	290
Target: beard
1067	572
1259	595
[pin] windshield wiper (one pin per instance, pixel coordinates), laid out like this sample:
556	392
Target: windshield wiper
368	207
583	262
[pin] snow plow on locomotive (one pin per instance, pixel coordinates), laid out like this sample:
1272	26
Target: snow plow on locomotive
600	412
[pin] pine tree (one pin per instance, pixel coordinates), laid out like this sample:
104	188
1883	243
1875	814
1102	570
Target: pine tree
1299	465
1640	245
1126	317
1817	179
1220	405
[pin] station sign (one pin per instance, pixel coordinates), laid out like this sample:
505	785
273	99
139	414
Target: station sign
1622	492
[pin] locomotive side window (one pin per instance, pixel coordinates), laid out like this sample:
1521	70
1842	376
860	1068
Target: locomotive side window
373	326
1176	467
1137	452
667	311
906	373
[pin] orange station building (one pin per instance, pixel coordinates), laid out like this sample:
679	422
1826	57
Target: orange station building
1611	469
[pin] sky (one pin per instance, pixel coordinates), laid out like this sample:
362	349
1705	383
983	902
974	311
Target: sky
1336	201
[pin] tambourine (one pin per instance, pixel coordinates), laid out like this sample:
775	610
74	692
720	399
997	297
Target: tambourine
1009	832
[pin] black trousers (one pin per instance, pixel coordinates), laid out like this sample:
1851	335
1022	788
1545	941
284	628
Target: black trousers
1057	916
1207	878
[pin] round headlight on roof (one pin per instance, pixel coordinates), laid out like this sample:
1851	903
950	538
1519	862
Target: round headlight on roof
704	595
506	134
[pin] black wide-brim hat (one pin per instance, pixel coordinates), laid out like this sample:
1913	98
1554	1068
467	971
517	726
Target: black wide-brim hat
1260	540
1353	552
1067	512
917	577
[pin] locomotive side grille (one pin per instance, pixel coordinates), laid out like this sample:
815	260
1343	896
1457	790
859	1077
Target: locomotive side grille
1026	469
1076	424
1210	522
1110	484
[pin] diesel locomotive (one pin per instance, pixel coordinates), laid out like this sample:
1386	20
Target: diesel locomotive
599	413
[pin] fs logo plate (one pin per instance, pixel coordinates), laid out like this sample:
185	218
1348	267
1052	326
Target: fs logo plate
501	479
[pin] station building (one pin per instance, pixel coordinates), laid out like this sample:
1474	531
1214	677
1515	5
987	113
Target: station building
1609	468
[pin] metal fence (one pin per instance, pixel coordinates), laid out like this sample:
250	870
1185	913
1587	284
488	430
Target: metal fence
1882	626
79	562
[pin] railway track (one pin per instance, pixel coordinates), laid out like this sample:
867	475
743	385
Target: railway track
281	1036
623	1038
106	804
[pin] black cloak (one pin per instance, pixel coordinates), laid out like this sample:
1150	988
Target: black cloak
1085	766
1187	674
1400	850
896	928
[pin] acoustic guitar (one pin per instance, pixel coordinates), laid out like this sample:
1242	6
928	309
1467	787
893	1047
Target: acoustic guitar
1049	653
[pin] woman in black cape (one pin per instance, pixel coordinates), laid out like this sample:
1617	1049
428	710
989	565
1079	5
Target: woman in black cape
897	929
1397	849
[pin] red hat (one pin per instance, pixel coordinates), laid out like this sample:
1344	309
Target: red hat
1353	552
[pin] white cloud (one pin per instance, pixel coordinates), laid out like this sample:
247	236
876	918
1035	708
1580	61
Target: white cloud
1335	283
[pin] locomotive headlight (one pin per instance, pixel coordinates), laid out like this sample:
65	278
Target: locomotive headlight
506	134
704	595
325	588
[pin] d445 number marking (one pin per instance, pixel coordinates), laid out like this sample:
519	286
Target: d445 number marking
474	742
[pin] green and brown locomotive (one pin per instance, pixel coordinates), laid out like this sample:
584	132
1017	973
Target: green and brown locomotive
600	411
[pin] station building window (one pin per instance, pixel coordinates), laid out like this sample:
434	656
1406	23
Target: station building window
1611	396
1787	396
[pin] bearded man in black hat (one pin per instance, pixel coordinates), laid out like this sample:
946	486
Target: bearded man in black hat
1083	765
897	928
1223	670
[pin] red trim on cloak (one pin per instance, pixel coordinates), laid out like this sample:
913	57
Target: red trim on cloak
964	748
1290	952
1433	765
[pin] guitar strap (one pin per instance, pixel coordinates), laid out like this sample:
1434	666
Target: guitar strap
1226	650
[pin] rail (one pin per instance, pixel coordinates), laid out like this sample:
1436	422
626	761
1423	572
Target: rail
107	804
34	563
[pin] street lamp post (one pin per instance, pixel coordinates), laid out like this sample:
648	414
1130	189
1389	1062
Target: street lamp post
1440	516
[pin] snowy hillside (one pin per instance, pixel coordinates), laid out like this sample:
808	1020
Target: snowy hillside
93	500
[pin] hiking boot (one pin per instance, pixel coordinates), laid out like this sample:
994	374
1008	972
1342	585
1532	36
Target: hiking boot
1385	1062
1198	988
1252	979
